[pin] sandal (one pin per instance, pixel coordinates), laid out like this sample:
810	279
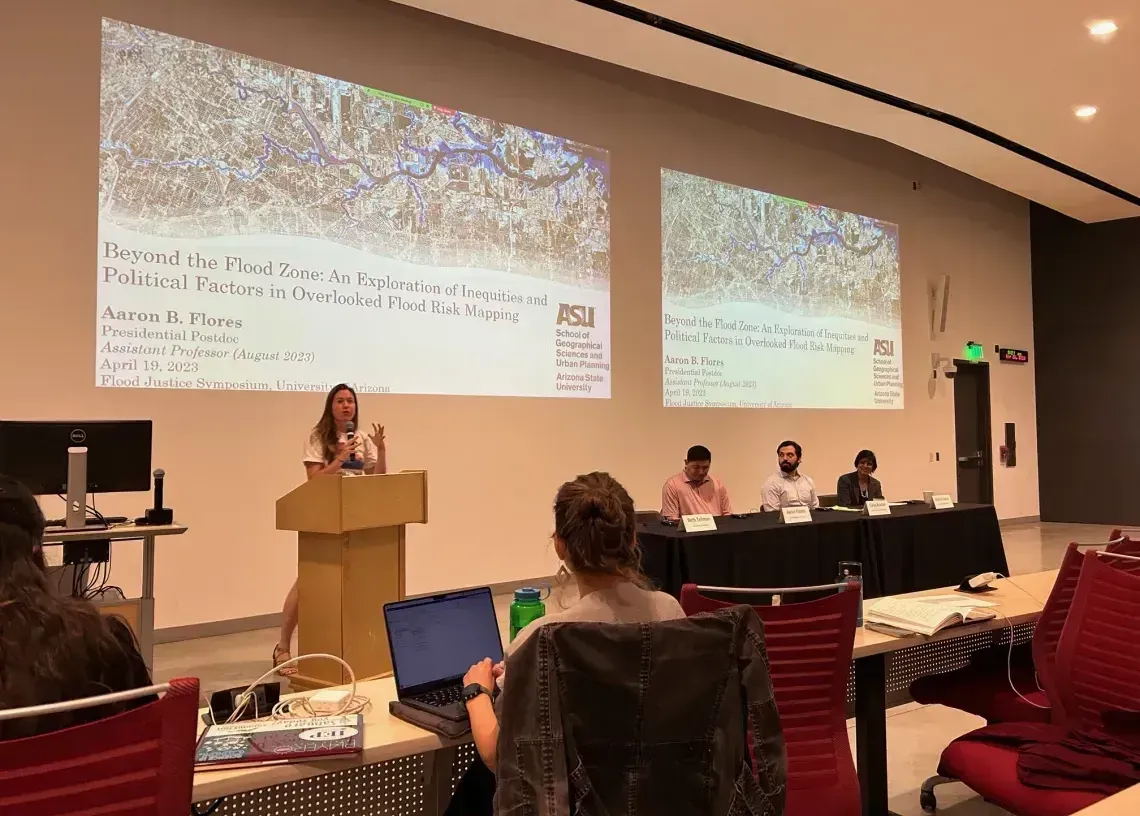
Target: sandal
280	656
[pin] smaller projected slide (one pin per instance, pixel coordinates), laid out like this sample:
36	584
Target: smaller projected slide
769	302
267	228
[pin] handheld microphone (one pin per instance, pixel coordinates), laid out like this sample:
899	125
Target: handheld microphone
350	435
353	463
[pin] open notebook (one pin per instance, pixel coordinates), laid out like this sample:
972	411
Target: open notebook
926	616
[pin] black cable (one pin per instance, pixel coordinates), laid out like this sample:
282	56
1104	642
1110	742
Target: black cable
217	804
96	513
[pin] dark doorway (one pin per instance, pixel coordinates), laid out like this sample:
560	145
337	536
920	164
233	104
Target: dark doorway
972	446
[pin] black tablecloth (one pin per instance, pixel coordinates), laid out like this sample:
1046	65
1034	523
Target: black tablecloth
912	549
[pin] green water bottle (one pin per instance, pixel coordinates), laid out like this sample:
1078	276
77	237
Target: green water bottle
526	607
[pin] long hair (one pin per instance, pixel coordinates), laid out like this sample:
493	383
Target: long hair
594	518
22	566
51	648
325	431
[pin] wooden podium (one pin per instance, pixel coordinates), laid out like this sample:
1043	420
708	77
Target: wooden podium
350	562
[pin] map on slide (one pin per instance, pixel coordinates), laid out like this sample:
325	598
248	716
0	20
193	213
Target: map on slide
770	302
201	142
726	244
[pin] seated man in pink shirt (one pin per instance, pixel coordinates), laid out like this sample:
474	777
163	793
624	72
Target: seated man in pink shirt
693	492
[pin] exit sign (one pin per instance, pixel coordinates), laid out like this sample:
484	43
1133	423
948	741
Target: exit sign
1012	355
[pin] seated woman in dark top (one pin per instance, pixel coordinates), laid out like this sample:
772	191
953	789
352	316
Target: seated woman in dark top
854	489
52	649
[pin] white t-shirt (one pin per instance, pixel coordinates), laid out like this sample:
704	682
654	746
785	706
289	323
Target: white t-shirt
315	450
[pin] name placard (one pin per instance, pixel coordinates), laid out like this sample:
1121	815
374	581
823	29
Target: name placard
795	515
941	501
877	507
698	523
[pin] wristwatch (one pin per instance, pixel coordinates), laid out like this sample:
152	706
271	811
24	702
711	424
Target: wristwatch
470	692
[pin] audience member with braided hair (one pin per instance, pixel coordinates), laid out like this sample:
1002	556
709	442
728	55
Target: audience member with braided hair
594	528
52	649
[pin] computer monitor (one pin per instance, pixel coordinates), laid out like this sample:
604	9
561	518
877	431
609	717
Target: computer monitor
118	454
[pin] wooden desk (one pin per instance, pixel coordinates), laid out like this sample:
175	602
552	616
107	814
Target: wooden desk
57	536
421	766
1019	600
386	738
1125	803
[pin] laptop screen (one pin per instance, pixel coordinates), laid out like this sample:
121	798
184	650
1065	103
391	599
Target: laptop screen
439	638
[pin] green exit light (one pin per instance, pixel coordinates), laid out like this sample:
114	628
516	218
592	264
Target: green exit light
973	352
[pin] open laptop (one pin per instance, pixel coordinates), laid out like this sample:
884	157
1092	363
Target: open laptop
434	641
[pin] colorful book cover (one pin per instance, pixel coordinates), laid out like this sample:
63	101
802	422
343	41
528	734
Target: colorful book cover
263	742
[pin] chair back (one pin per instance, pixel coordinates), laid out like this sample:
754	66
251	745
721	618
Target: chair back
828	499
1098	656
809	657
646	718
646	516
1052	621
1122	544
751	596
136	763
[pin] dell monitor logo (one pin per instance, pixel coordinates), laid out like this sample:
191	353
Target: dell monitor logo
78	436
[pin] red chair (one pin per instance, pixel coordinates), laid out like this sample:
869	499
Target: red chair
137	763
1122	544
1098	658
983	688
809	647
1097	669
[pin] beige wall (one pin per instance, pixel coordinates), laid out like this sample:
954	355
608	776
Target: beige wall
229	455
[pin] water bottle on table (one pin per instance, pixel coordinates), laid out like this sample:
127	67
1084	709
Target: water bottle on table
851	573
526	607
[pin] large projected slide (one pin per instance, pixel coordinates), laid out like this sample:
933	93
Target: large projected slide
768	302
266	228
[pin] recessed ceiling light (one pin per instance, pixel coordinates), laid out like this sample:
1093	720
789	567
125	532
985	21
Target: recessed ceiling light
1085	111
1102	29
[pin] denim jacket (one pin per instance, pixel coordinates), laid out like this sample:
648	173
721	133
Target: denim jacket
606	719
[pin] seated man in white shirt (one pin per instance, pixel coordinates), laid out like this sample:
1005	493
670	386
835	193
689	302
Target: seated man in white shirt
789	487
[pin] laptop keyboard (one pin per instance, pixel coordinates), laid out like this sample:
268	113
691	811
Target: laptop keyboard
442	697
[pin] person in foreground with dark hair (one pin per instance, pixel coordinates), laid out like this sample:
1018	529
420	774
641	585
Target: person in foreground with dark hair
52	649
693	492
789	487
594	537
858	487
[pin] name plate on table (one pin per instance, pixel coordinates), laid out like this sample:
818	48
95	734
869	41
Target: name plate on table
795	515
877	507
698	523
940	501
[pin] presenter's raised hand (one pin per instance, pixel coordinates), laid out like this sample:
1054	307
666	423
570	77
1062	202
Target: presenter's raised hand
377	436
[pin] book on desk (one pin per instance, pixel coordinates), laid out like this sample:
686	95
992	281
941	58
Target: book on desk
269	742
926	616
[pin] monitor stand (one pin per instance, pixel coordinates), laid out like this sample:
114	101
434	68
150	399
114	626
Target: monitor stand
76	516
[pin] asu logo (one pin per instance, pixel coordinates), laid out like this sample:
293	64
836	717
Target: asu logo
884	348
577	315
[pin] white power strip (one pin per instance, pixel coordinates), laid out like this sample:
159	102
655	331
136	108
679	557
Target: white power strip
327	702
